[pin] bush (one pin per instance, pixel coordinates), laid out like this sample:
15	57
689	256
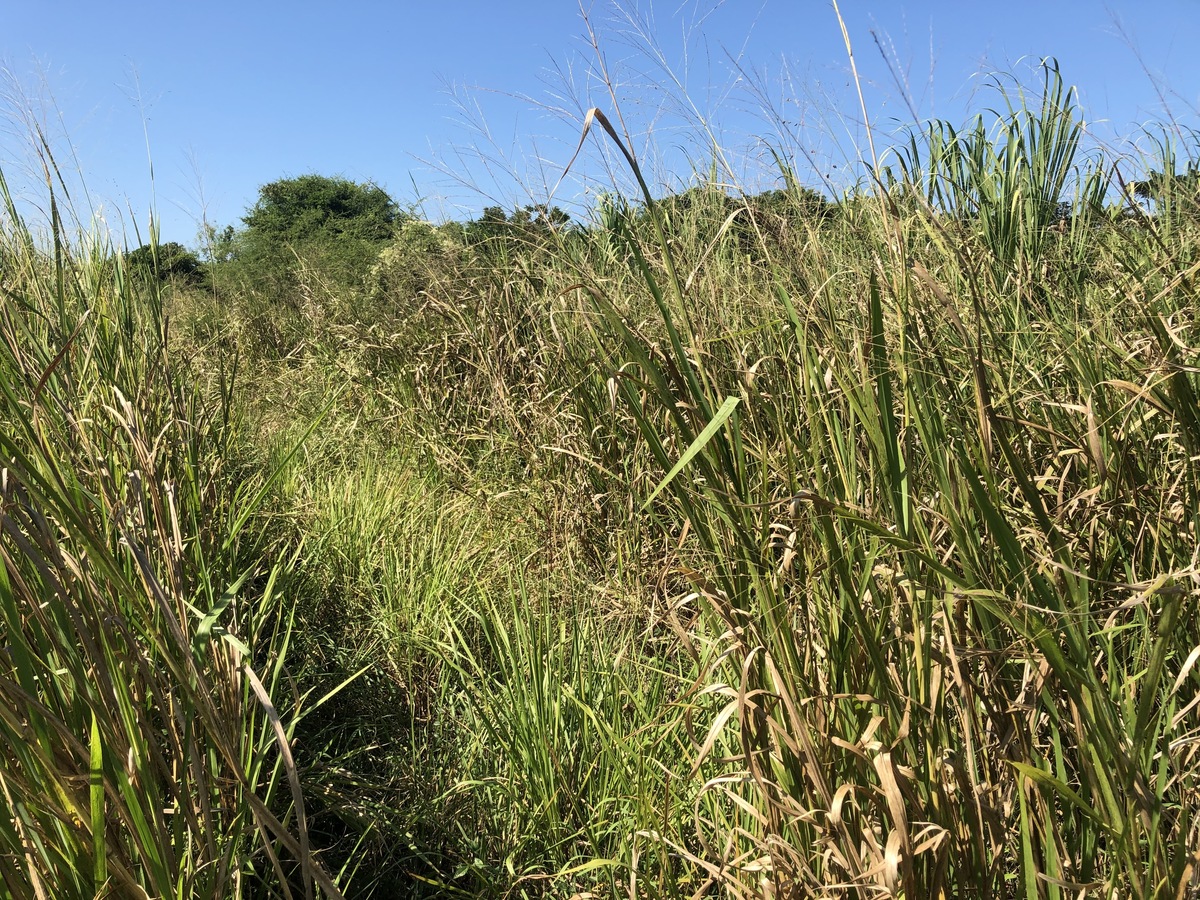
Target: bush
166	262
332	226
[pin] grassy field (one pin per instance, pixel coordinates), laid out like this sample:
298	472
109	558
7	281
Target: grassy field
719	547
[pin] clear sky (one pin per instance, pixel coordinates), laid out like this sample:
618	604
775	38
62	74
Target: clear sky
460	103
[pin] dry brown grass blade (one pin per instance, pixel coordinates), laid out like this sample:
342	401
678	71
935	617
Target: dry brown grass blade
944	298
895	800
1139	392
58	358
35	878
983	396
1095	447
285	751
595	115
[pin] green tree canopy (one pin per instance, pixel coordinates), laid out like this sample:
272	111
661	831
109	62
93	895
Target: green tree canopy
532	221
331	223
169	261
1169	190
298	209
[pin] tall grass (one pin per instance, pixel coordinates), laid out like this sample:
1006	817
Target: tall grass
726	546
950	544
1017	179
144	709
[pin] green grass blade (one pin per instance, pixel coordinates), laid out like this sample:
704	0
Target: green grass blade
722	414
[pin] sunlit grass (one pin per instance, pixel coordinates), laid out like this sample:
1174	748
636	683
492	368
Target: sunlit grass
145	724
949	537
728	546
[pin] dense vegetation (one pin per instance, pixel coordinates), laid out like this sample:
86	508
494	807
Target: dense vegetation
718	545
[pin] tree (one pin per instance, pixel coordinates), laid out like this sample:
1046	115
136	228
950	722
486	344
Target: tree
526	223
332	224
1167	189
166	262
300	209
219	246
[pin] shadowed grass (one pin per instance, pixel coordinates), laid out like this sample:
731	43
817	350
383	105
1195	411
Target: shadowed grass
146	751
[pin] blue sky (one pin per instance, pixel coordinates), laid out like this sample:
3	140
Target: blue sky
459	104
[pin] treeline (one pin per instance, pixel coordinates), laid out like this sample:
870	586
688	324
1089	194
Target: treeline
355	236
